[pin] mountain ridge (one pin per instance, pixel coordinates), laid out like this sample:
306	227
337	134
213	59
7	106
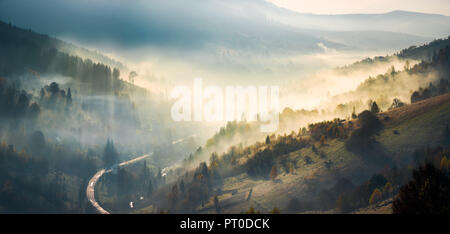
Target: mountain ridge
219	23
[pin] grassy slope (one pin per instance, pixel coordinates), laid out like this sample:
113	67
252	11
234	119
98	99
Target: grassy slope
419	125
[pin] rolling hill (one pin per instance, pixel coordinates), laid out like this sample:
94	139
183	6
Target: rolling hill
418	125
332	166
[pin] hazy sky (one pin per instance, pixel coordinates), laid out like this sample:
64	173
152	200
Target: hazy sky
365	6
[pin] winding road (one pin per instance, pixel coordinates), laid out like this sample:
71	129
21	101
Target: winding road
90	190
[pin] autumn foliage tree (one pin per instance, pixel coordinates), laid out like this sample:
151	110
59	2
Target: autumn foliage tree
444	164
322	140
387	189
275	211
252	210
375	197
273	172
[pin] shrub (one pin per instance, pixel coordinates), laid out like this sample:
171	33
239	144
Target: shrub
308	160
252	210
275	211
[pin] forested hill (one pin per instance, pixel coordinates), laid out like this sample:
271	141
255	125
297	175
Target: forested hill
425	52
48	42
23	51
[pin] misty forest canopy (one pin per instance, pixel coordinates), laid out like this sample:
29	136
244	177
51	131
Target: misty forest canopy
24	51
62	117
88	93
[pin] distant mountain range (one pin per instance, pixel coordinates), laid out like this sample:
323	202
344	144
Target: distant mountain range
256	26
402	22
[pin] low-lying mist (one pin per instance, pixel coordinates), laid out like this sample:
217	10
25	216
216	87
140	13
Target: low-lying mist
322	86
310	83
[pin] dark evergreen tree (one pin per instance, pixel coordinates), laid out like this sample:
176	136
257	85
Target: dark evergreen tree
354	116
427	193
216	204
374	109
110	155
182	186
69	98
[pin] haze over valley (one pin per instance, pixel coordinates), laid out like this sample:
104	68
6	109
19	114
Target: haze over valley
87	107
